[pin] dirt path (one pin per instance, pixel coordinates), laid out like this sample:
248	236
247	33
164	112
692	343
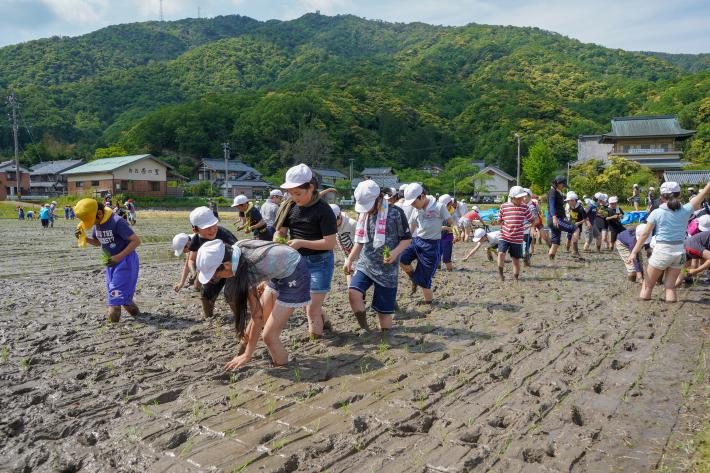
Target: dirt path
562	372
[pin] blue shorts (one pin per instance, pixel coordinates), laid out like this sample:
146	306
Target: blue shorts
321	267
293	290
427	253
121	280
384	298
556	233
515	249
446	246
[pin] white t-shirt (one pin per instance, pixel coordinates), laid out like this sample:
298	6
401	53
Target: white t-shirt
493	238
268	212
346	233
428	221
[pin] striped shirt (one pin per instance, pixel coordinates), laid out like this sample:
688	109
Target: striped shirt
513	218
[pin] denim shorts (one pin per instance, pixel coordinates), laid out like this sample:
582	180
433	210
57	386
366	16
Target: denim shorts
321	267
515	249
295	289
384	298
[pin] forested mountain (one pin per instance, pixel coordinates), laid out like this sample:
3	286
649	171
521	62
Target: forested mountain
331	89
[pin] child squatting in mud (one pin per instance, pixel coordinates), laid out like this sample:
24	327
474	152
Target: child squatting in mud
119	243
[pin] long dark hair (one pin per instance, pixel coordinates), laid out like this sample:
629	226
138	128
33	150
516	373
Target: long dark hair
378	202
672	200
241	290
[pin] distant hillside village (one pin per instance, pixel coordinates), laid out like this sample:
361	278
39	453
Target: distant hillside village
652	141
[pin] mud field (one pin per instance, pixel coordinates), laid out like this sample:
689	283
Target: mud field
562	372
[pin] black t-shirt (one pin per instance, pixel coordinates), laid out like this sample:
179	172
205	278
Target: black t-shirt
556	203
311	223
253	216
222	234
616	224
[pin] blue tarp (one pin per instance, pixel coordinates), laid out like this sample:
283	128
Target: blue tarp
488	215
634	217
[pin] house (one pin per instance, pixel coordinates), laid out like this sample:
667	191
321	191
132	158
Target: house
498	182
654	141
382	176
141	175
47	179
589	147
8	180
432	169
327	177
241	178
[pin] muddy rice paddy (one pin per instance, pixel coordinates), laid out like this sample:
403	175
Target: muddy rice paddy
562	372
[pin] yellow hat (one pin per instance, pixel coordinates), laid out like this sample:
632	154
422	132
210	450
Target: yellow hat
85	211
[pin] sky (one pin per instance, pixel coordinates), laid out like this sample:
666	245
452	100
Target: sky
676	26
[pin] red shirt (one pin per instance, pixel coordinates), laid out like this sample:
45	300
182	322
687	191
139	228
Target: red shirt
513	218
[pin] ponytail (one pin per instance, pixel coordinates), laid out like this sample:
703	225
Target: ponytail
672	201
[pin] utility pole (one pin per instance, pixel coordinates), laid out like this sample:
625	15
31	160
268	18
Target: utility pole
225	148
517	179
12	101
161	11
351	171
198	13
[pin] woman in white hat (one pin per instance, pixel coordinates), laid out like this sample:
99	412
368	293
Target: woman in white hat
381	235
310	223
249	263
670	221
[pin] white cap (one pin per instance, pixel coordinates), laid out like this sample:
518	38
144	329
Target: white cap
55	202
475	207
636	185
639	231
179	242
445	199
336	210
598	195
202	217
365	195
571	196
411	192
478	234
517	191
613	200
297	176
209	257
241	199
528	192
276	193
604	197
401	188
704	223
651	188
391	191
670	187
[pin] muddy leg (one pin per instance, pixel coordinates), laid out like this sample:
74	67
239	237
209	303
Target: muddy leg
114	314
207	308
132	309
357	304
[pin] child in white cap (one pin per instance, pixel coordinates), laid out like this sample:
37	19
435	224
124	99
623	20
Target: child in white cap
381	235
252	221
577	215
181	243
270	208
248	264
481	237
346	233
513	216
426	225
615	214
446	244
670	221
309	222
204	224
625	242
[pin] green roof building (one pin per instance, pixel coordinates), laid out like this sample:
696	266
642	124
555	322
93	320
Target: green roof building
654	141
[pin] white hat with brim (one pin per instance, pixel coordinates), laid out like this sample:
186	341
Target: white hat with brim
209	257
670	187
241	199
445	199
639	231
704	223
179	242
203	217
297	176
411	192
276	193
571	196
516	192
478	234
613	200
366	194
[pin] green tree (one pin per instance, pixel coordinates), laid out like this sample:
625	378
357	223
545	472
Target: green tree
110	152
539	167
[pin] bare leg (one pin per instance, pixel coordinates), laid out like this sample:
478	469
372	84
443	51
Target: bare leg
357	304
385	321
114	313
669	284
650	282
314	313
501	265
272	333
428	295
516	268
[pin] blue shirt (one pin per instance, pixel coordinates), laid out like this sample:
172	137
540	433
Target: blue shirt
670	225
113	234
44	213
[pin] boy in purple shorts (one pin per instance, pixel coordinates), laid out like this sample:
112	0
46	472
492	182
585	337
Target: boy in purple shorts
115	237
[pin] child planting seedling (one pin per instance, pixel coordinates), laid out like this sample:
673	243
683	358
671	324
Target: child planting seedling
379	228
118	242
